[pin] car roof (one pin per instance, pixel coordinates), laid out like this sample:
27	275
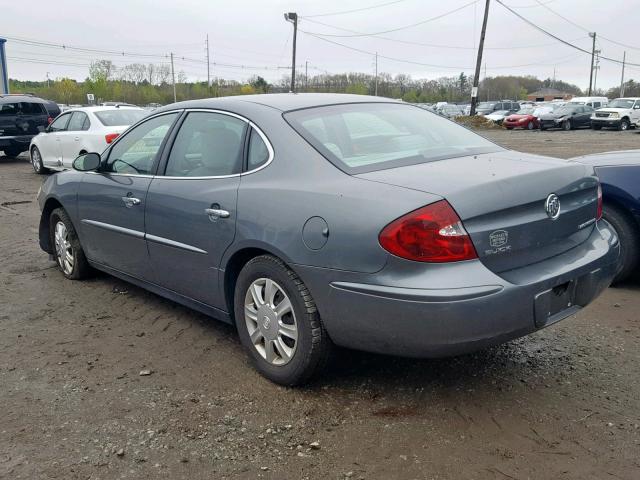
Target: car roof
280	101
11	98
102	109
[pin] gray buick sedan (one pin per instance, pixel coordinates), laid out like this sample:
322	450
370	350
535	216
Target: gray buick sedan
310	220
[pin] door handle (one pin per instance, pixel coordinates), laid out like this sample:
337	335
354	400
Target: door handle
130	201
77	139
215	213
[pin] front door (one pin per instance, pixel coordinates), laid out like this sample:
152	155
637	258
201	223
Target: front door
191	209
112	201
49	142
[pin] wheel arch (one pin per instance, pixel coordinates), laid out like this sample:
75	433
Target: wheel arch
44	230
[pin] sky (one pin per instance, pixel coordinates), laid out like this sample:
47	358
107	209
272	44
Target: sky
251	37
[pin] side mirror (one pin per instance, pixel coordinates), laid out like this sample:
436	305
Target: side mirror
88	162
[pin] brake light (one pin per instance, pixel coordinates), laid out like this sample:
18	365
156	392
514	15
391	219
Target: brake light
110	137
599	209
49	120
430	234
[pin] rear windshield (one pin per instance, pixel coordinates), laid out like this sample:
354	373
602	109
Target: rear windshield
120	117
365	137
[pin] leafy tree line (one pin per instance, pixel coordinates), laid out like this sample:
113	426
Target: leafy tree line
151	83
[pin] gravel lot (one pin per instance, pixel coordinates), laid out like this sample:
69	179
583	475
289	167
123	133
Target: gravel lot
563	403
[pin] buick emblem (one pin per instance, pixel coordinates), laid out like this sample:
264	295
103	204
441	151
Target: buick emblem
552	206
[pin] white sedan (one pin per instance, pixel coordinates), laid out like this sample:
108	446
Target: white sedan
78	131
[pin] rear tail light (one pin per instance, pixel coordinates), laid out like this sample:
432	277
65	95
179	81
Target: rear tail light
110	137
599	209
49	120
430	234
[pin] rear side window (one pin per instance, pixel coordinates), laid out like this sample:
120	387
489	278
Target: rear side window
120	117
77	122
364	137
7	109
207	145
258	151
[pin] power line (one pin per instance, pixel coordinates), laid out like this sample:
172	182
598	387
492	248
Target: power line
343	12
432	45
565	42
422	22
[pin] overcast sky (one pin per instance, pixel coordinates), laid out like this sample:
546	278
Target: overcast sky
254	33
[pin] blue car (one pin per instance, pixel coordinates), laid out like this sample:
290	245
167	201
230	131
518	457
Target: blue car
619	174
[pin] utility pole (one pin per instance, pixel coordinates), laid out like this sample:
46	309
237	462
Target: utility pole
624	58
306	75
173	79
376	87
293	18
596	68
208	68
47	79
593	57
476	78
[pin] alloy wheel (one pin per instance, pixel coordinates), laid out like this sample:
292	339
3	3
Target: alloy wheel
36	160
271	321
64	250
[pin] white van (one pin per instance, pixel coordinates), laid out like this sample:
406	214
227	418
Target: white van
595	102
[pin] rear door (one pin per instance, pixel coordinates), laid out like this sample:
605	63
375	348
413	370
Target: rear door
70	139
635	112
191	209
112	201
33	117
49	142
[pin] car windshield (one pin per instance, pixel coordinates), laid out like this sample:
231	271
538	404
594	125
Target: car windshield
120	117
365	137
486	105
525	111
621	103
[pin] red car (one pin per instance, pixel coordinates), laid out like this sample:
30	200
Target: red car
523	118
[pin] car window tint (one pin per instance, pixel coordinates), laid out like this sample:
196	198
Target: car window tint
87	123
60	123
207	145
76	122
136	152
7	109
32	108
258	151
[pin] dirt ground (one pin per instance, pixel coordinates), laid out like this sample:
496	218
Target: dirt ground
563	403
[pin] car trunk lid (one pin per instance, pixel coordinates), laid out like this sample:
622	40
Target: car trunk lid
501	199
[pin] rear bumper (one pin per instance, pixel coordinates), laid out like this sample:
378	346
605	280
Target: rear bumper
21	141
440	310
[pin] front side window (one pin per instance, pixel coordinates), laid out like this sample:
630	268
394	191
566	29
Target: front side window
60	123
77	122
365	137
136	152
207	145
258	151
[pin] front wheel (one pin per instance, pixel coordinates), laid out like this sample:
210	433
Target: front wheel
278	322
67	250
36	161
596	127
624	125
566	125
530	126
628	236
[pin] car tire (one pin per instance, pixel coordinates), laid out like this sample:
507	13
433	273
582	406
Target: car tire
629	238
298	348
67	251
624	125
530	126
36	161
596	127
509	128
566	125
12	152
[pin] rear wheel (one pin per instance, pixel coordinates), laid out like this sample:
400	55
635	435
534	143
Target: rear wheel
629	237
566	125
67	250
12	152
530	126
36	161
624	124
278	322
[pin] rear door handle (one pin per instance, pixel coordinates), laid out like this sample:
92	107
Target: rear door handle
130	201
215	213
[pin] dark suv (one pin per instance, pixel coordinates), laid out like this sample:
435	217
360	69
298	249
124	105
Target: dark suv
487	108
22	117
